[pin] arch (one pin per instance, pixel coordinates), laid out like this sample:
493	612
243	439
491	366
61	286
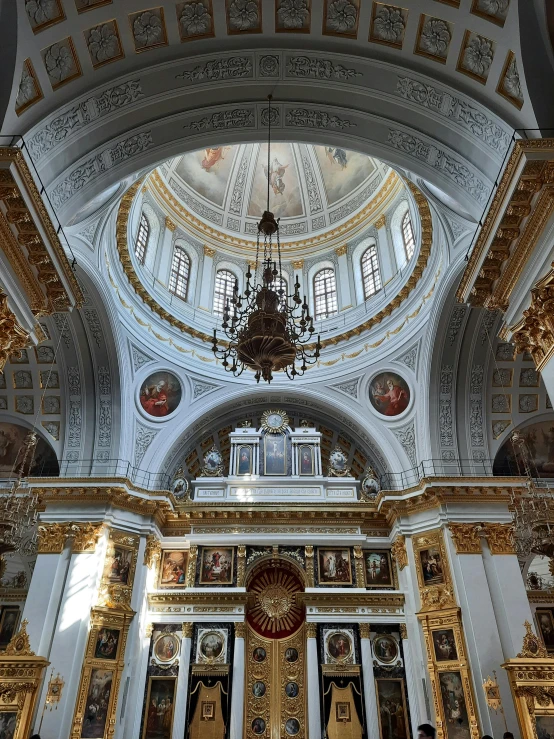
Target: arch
281	559
325	294
179	274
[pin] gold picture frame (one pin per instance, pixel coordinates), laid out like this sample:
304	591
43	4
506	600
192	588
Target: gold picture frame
245	453
433	571
275	439
327	566
156	686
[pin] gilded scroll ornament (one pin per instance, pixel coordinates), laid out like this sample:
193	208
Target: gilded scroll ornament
241	566
500	537
311	630
309	552
19	643
466	537
365	630
52	537
240	629
532	645
85	536
360	569
398	551
191	571
12	336
152	551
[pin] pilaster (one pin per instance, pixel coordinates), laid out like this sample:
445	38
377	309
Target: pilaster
181	698
205	298
237	697
313	691
343	278
370	694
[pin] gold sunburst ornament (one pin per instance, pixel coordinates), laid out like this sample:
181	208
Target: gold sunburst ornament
275	607
274	422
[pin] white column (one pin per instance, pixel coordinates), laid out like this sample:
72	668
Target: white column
387	261
370	695
411	681
180	708
135	708
343	278
205	299
312	687
237	699
43	599
165	253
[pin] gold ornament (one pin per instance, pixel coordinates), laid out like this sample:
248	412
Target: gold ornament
152	551
403	631
365	630
240	630
274	422
311	630
52	537
19	643
188	629
398	551
241	566
360	569
500	537
466	537
12	336
85	536
532	646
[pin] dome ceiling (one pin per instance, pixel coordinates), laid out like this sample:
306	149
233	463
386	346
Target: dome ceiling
311	188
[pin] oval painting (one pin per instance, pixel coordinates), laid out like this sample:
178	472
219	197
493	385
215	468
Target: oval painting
13	462
389	394
160	394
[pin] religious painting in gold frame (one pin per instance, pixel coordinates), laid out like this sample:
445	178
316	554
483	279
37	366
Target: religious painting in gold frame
391	691
244	460
160	705
306	460
433	572
9	621
9	722
275	455
545	627
334	566
99	700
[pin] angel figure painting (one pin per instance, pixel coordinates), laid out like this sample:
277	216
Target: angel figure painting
281	172
160	394
389	394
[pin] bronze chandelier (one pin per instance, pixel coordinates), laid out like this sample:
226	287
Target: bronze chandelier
267	330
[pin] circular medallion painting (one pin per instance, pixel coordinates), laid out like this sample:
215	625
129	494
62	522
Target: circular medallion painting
291	654
339	646
211	645
258	726
258	689
259	654
292	727
385	649
389	394
291	690
160	394
166	647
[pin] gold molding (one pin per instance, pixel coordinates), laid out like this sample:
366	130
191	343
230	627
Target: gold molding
360	567
439	595
191	570
19	645
85	536
169	224
188	629
466	537
381	222
403	631
309	554
21	678
241	566
52	537
298	264
240	629
209	252
500	537
311	630
341	251
12	336
398	552
365	630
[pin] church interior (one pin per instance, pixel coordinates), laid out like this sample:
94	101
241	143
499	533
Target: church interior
276	369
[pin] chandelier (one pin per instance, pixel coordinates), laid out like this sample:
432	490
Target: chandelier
18	506
266	329
533	509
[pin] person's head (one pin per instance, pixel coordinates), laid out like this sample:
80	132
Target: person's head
35	736
486	736
425	731
507	735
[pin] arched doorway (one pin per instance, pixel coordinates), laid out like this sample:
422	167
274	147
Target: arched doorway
275	699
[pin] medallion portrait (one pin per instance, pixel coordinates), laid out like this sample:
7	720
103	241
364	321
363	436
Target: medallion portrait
166	648
8	624
306	460
291	690
454	705
160	394
180	487
118	565
216	565
211	645
158	720
97	704
444	644
431	566
107	641
244	466
173	569
385	649
391	702
8	723
389	394
378	569
258	689
275	454
291	655
292	726
545	623
339	646
259	654
544	726
258	726
334	567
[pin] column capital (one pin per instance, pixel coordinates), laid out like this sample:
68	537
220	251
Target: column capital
381	222
52	537
365	629
169	224
311	630
188	629
240	630
85	536
152	551
500	537
299	264
209	252
398	551
466	537
341	250
148	630
403	631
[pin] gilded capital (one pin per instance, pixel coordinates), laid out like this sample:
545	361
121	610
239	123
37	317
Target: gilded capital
381	222
311	630
12	336
500	537
299	264
85	536
365	629
188	629
152	551
403	631
52	537
169	224
466	537
240	630
241	566
341	250
209	252
398	551
148	630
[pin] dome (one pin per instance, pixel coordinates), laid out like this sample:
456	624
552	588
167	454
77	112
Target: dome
312	189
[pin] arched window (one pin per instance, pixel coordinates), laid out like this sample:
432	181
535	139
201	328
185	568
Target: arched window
279	283
180	271
371	274
325	294
141	244
408	236
224	286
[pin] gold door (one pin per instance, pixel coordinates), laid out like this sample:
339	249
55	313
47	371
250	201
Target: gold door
275	698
